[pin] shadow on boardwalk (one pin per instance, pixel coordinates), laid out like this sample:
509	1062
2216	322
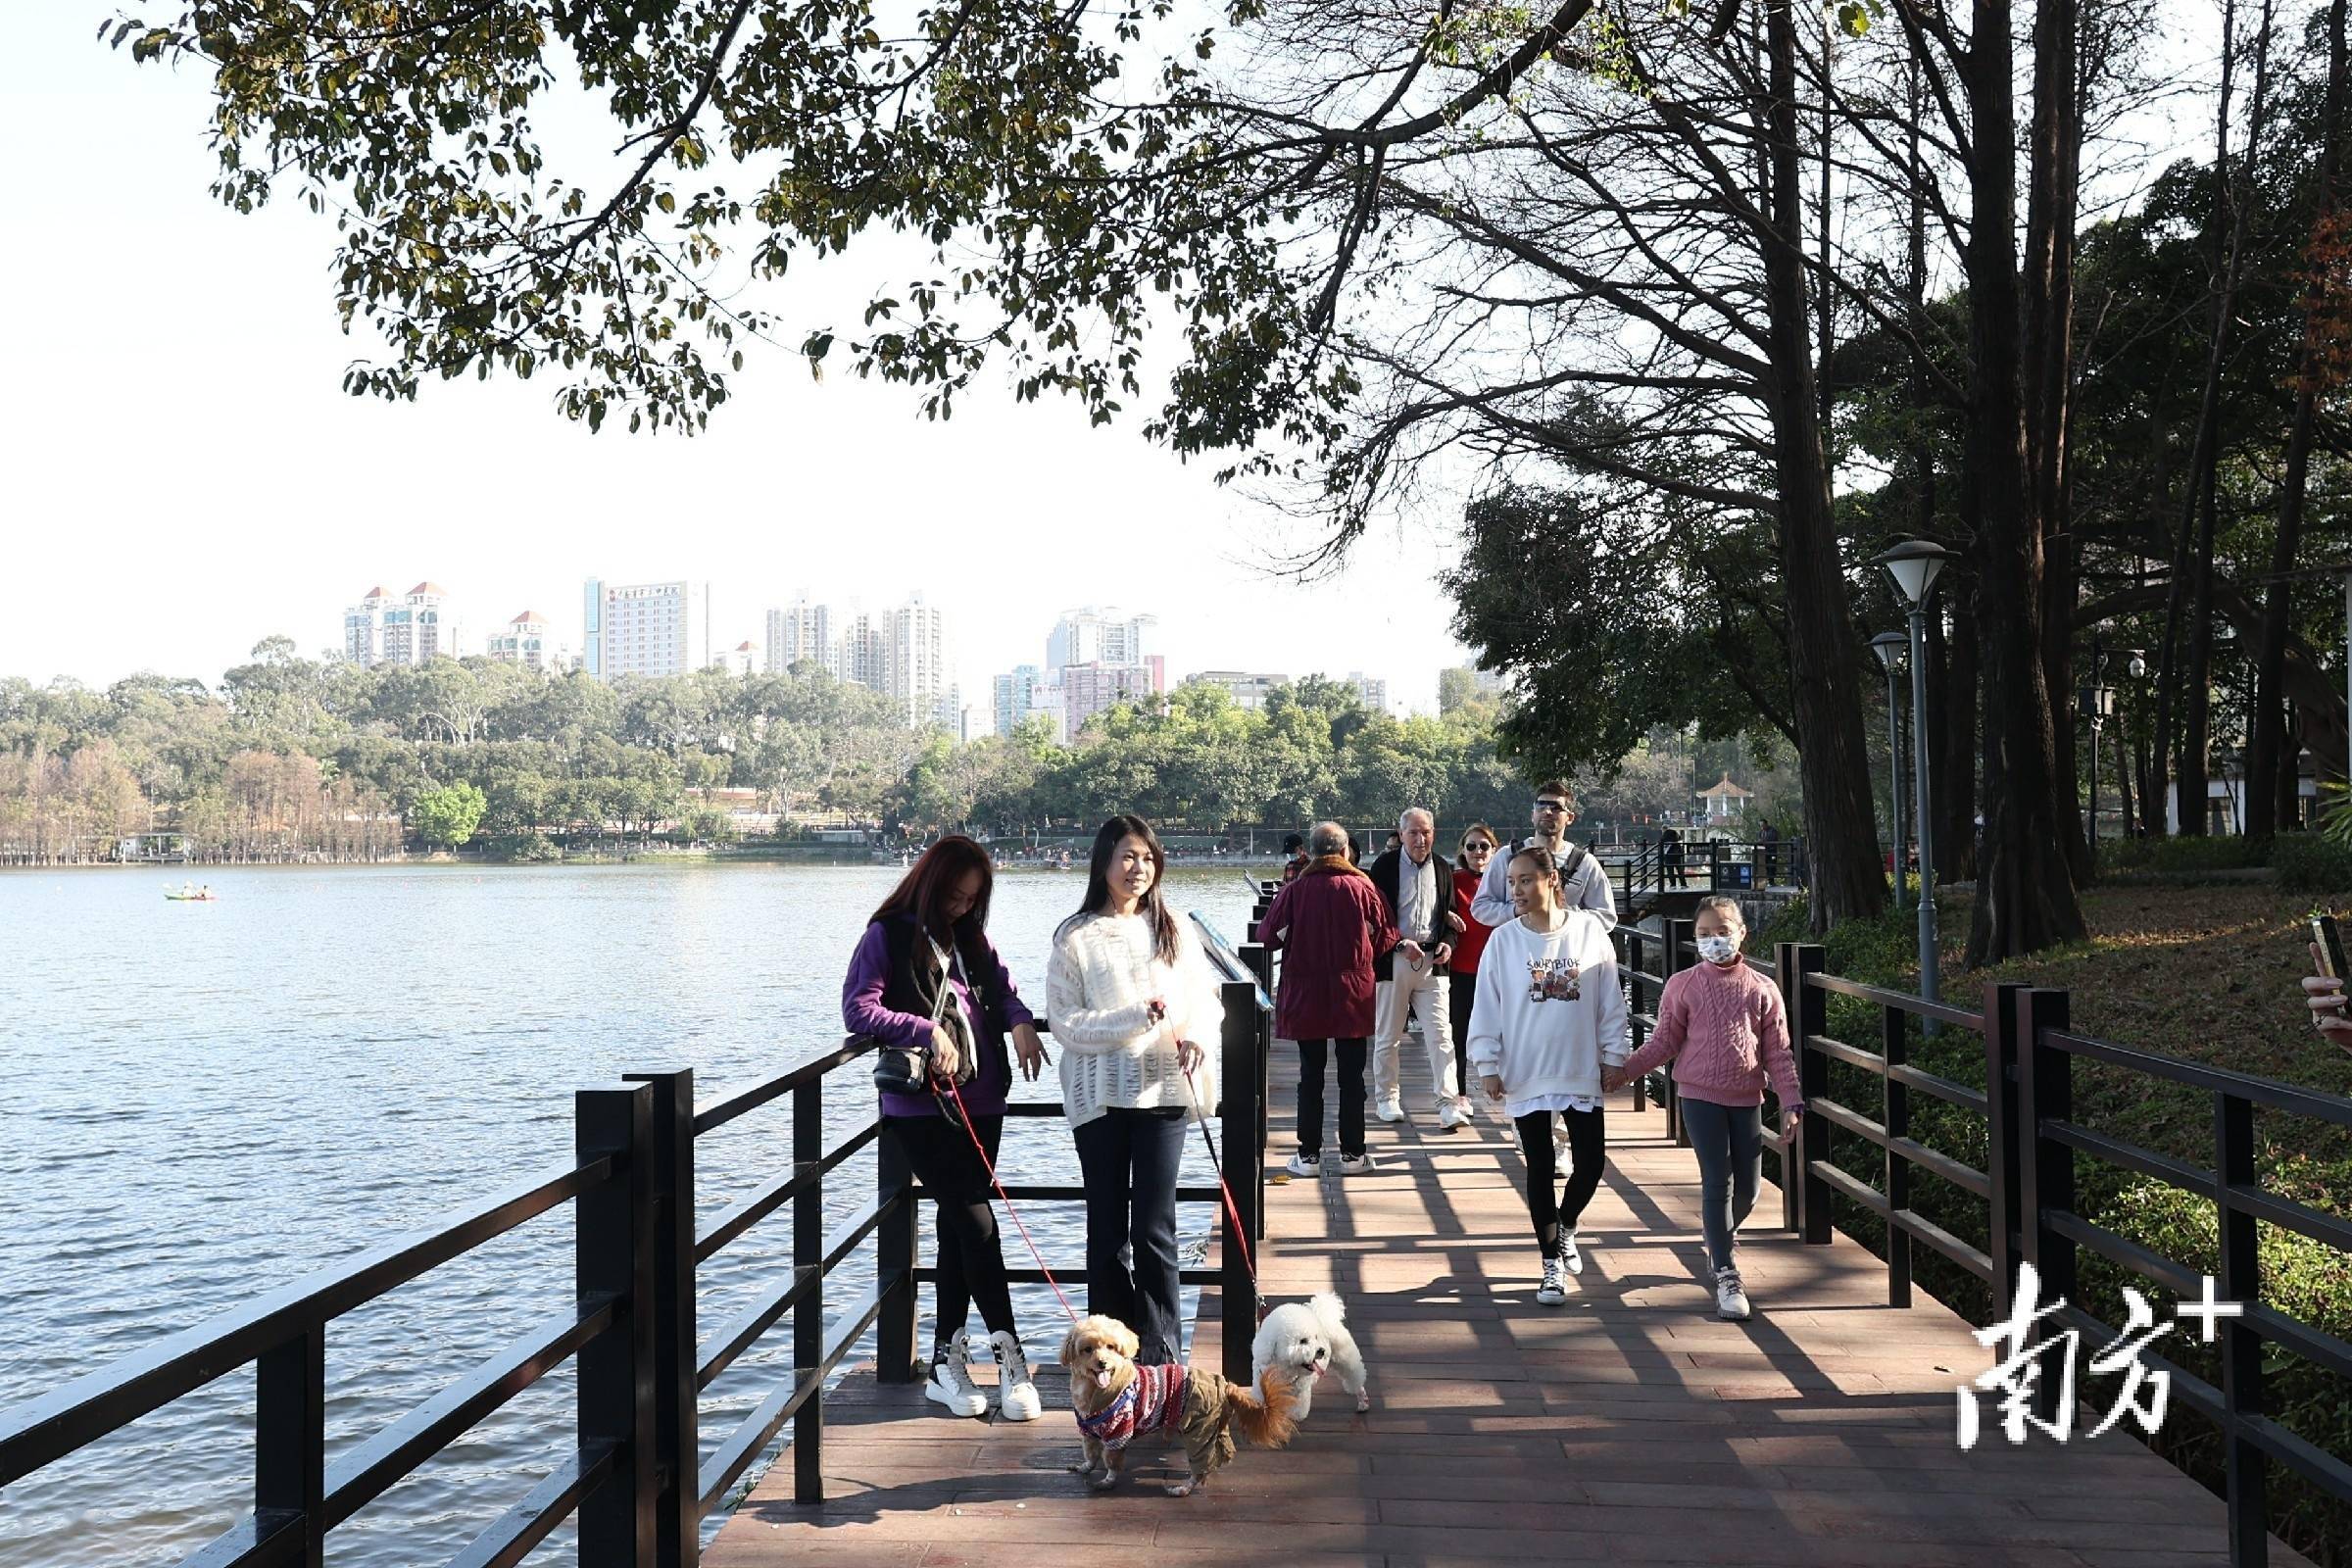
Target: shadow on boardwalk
1630	1425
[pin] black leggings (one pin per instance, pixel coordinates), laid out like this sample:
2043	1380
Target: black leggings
1460	997
1312	1055
972	1254
1588	1147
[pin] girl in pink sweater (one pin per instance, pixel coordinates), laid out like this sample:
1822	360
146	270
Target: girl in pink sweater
1722	1026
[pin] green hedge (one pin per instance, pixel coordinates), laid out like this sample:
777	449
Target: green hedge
2181	856
2308	862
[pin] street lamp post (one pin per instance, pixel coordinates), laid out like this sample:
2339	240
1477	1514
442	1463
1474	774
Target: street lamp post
1888	646
1914	564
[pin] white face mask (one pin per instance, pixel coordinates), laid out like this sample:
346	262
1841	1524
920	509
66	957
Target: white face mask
1718	949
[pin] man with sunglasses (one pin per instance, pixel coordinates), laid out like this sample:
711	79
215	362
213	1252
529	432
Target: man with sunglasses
1584	883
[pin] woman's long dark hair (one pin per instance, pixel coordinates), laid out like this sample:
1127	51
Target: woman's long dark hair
1153	909
923	890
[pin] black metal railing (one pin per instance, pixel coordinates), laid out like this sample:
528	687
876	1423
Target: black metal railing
1640	875
634	1478
2029	1191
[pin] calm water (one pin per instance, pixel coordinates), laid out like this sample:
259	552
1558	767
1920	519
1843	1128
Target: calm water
204	1102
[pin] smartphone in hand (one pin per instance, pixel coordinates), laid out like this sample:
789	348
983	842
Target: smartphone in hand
2327	941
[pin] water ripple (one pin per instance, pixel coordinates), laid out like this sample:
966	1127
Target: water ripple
209	1101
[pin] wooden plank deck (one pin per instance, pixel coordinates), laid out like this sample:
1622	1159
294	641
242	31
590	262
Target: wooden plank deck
1630	1425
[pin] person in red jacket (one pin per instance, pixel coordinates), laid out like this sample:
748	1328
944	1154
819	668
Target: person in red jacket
1328	922
1470	868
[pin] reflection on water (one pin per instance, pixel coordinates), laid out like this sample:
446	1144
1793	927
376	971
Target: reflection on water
206	1100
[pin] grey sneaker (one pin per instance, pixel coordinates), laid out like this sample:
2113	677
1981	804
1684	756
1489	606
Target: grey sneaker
1016	1394
951	1382
1731	1299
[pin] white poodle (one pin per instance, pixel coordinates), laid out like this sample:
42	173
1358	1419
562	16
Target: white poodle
1311	1338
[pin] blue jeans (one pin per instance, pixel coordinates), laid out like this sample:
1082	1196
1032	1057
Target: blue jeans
1129	1159
1729	1141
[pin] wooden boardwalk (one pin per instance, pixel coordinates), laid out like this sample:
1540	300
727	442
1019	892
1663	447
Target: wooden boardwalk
1630	1425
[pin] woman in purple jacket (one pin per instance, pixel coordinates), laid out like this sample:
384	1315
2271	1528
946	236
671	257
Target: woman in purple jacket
932	932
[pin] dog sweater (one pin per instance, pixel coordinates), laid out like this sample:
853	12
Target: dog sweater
1152	1402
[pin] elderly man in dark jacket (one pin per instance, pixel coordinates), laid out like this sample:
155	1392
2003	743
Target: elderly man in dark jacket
1328	923
1416	886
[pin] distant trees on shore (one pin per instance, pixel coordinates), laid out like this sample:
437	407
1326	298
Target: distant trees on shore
292	757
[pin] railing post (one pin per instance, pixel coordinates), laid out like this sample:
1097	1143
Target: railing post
1237	1069
677	1443
894	1264
289	1437
1806	1008
809	1318
1260	961
2245	1468
1630	939
2046	1167
2002	1138
613	1239
1679	934
1894	1039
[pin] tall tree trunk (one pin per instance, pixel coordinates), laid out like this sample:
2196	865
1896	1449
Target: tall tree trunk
1833	753
2272	776
2194	689
2053	182
2026	896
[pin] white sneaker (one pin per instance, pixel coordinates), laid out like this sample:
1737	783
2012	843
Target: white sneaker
1560	1146
1731	1301
1301	1165
951	1382
1570	1259
1554	1289
1452	1115
1016	1394
1391	1109
1355	1164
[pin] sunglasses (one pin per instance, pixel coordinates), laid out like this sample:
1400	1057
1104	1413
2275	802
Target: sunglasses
1551	806
1478	846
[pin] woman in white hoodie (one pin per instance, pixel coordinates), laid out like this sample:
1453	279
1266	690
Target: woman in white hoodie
1132	998
1548	1019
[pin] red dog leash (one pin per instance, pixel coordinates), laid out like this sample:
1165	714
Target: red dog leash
964	1117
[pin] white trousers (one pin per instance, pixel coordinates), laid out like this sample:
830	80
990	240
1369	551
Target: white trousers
1413	992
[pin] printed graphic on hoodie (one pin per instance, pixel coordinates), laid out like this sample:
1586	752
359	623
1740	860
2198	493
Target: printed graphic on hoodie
1552	980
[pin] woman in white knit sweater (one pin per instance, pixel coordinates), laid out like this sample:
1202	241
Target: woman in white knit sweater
1548	1021
1135	1005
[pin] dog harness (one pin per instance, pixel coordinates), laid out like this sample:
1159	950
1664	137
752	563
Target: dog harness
1152	1402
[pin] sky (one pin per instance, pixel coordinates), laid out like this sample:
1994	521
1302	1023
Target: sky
185	475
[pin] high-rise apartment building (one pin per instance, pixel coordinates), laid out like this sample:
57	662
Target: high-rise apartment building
803	634
592	646
527	641
1014	695
650	629
417	625
1096	688
1374	691
1095	635
362	627
916	671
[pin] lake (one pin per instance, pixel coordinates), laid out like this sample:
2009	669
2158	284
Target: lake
206	1101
